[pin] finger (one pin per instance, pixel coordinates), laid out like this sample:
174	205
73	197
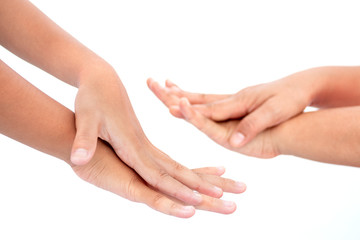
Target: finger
262	118
227	185
190	178
162	203
195	98
161	180
175	111
224	109
216	205
213	130
162	94
85	141
124	182
217	171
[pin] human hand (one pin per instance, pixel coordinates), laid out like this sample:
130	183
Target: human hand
107	171
263	145
259	107
102	109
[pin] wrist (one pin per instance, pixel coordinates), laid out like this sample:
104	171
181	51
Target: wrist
92	71
279	139
308	83
317	79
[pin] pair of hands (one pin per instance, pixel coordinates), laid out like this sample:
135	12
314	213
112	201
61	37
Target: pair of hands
246	121
138	171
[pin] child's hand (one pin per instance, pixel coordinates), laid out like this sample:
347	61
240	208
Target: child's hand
259	107
106	171
102	109
262	146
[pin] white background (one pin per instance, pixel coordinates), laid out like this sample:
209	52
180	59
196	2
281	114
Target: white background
204	46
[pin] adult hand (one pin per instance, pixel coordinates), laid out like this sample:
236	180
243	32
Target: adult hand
102	109
106	171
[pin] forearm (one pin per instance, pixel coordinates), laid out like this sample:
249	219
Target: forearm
31	35
332	86
329	135
31	117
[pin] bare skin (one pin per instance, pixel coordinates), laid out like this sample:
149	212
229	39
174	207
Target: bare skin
31	117
271	115
102	108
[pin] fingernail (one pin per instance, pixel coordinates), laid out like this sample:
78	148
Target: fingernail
221	169
187	210
79	156
197	197
237	139
217	190
229	205
241	187
186	101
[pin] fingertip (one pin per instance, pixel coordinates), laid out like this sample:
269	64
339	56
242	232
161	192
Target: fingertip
229	207
168	83
218	192
175	111
149	81
220	170
185	212
80	156
237	140
240	187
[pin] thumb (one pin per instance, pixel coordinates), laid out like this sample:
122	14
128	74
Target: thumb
85	141
252	124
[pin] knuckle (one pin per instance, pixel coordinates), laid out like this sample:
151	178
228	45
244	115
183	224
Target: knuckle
91	172
82	138
177	166
203	97
160	178
173	206
197	185
273	111
224	183
130	191
157	201
212	202
249	125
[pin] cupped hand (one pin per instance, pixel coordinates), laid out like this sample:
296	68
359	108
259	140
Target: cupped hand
102	109
108	172
259	107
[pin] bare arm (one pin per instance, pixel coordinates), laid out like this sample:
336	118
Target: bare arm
102	106
267	105
31	35
329	135
31	117
335	86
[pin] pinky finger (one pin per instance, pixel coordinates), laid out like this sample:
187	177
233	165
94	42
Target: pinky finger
216	205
